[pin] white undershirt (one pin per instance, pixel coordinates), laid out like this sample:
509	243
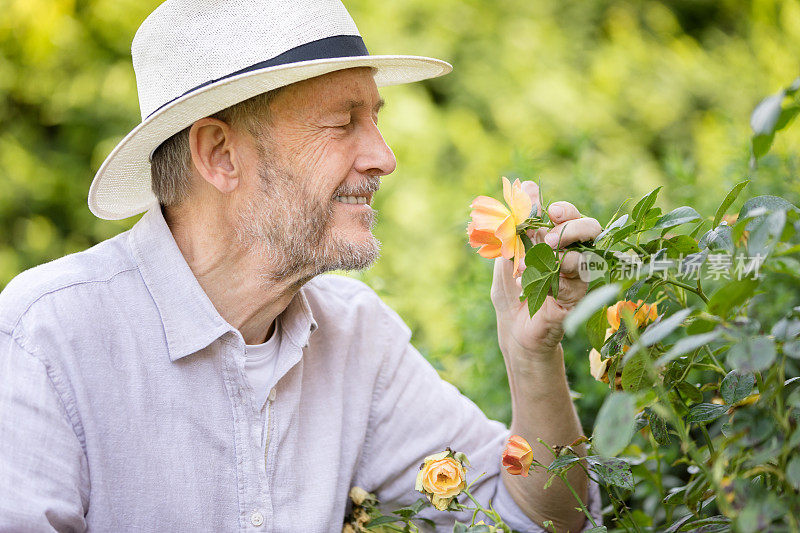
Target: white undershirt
259	365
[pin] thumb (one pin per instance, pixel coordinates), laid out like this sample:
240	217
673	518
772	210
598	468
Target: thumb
505	287
532	189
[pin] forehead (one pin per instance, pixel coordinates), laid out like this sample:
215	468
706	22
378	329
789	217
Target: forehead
335	91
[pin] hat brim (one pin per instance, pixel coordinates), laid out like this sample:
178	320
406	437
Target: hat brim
121	188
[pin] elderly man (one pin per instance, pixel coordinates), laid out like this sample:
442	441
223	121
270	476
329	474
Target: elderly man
196	373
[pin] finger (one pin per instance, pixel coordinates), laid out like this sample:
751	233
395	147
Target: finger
537	235
562	211
532	189
570	292
582	229
570	264
504	286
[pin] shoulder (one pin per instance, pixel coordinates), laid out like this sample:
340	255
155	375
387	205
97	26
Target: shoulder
97	265
340	289
344	300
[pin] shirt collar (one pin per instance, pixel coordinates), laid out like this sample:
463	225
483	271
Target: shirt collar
191	322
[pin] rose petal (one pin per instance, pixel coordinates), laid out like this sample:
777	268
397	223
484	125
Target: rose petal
507	233
488	213
520	203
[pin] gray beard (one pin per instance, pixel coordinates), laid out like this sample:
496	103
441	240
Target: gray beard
293	236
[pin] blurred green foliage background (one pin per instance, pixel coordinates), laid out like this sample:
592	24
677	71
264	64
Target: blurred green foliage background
598	100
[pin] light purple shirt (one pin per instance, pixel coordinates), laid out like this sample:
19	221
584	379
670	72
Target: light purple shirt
124	404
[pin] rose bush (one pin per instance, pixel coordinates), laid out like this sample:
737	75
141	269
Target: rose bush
701	428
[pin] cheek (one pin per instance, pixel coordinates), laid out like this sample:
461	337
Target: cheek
324	153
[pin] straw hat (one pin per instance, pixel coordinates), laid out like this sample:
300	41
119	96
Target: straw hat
193	58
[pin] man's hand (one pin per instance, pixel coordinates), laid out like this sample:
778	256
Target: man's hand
540	402
522	337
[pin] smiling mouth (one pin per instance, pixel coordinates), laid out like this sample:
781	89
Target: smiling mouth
360	199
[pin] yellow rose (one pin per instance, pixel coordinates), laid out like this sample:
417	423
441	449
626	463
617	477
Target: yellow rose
441	477
358	495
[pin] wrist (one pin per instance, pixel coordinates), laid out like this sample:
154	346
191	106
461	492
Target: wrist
541	362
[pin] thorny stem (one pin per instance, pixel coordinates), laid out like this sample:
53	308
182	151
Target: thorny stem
635	525
714	358
474	480
689	288
634	246
480	508
563	477
707	437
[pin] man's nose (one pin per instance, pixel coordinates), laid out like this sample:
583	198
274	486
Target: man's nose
375	157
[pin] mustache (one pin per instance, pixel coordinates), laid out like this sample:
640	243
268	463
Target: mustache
368	186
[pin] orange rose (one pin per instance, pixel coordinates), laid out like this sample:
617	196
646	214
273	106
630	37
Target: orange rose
518	456
441	478
493	229
642	313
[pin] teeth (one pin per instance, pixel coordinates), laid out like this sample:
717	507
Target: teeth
352	199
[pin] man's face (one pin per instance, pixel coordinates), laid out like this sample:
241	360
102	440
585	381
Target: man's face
308	211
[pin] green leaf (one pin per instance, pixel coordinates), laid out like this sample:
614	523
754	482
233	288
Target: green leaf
689	391
793	472
686	345
719	238
657	331
681	245
596	328
643	206
766	114
634	289
458	527
706	412
375	522
658	427
588	306
618	223
531	279
729	199
769	203
736	386
612	471
787	115
730	295
541	257
762	144
792	349
765	233
562	462
710	524
622	234
613	428
640	422
538	294
676	217
479	528
598	529
753	354
554	280
634	375
539	277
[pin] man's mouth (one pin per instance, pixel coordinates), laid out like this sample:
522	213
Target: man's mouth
365	199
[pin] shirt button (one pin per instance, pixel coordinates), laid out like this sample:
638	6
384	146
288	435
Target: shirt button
256	518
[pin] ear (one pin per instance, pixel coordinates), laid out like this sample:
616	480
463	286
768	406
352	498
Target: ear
215	153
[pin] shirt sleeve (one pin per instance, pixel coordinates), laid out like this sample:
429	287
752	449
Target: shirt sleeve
43	469
415	414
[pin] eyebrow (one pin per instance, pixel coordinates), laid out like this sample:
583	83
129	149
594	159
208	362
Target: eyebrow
349	105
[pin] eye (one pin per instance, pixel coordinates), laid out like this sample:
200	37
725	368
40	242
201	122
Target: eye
346	125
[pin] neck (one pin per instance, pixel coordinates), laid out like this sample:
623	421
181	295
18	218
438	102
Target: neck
238	280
